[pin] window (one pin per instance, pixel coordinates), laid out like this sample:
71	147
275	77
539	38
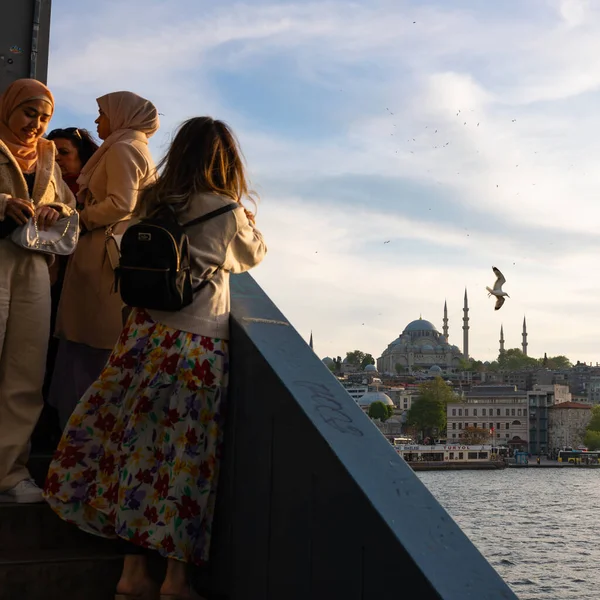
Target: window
460	425
497	412
507	435
453	425
453	435
474	412
491	426
483	411
466	412
524	412
508	412
516	422
453	412
460	455
460	412
512	412
518	412
472	455
507	426
497	425
451	456
483	455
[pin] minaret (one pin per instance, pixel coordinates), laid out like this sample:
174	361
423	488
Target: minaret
445	322
501	339
466	328
524	337
311	342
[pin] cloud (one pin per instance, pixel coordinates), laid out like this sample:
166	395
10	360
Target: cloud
462	132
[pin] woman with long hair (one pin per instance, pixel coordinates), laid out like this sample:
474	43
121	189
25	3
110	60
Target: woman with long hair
139	457
30	186
89	318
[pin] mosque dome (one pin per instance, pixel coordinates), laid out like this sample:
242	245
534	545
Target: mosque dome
370	369
435	370
371	397
328	361
420	325
427	348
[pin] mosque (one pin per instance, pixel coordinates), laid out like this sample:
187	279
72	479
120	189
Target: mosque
422	345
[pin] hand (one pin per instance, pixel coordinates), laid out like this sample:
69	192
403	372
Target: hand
20	211
46	216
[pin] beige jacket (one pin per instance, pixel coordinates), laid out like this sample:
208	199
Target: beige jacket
229	241
90	311
48	188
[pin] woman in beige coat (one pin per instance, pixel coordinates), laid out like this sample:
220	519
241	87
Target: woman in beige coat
30	184
89	317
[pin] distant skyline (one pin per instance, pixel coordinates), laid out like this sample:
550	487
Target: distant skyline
464	133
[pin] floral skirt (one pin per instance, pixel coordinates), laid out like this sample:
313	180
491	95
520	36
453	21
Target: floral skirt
139	457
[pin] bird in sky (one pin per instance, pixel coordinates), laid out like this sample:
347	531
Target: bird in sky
497	291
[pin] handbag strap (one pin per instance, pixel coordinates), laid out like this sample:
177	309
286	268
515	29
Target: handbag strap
51	242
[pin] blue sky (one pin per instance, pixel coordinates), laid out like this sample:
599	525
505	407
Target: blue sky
463	132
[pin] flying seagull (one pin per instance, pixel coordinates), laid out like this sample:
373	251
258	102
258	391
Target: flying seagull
497	291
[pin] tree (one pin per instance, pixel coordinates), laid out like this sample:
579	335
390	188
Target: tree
514	359
594	424
390	410
378	410
355	358
475	435
464	365
399	368
428	412
367	360
592	440
556	363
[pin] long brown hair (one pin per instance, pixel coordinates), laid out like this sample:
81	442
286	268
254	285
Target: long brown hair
204	157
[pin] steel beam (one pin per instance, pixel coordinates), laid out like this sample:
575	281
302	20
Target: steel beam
24	40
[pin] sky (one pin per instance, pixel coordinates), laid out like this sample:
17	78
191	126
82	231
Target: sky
400	149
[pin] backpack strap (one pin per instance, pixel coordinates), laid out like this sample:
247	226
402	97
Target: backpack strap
207	217
211	215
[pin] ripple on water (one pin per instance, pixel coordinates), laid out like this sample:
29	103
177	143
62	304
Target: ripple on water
536	527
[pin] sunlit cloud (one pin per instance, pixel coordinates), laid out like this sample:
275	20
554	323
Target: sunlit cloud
463	134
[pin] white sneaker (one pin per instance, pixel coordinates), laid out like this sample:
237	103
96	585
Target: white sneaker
25	492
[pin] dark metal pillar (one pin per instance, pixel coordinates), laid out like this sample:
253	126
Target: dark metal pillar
24	40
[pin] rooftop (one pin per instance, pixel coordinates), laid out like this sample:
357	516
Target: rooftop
571	405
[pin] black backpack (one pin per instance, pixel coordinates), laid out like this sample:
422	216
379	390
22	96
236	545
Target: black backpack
154	267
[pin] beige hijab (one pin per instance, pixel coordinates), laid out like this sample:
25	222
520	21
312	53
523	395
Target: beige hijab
131	117
17	93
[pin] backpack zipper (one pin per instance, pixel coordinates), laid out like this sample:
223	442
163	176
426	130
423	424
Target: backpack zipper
174	245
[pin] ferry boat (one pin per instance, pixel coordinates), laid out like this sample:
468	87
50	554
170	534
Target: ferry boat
451	457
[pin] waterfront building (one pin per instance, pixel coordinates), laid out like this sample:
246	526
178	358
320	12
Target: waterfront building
539	400
501	409
567	424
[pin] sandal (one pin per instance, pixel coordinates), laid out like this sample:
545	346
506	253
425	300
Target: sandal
193	596
140	596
